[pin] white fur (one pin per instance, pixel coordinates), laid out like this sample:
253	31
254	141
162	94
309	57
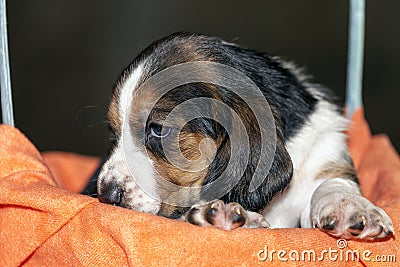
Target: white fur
319	142
126	90
127	163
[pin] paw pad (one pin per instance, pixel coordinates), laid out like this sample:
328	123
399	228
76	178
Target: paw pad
225	216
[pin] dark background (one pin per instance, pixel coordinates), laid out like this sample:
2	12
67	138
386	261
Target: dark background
66	55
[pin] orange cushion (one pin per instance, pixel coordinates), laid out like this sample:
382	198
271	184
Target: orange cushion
44	223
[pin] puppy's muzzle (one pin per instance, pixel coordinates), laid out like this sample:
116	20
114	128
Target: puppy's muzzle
111	193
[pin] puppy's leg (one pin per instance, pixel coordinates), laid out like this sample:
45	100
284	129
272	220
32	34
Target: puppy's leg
225	216
338	208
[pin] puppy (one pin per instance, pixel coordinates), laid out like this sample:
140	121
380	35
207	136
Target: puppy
220	135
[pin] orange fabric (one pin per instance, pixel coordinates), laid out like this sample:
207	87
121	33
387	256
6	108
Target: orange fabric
43	224
71	170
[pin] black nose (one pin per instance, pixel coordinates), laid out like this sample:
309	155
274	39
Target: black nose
111	193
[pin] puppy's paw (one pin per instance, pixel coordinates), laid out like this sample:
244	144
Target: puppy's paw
225	216
351	217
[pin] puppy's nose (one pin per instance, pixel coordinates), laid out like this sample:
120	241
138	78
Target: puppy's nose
111	193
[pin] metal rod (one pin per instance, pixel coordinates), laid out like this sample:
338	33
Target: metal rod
355	58
5	80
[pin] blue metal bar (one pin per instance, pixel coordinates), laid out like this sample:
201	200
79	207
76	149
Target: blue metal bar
355	58
5	80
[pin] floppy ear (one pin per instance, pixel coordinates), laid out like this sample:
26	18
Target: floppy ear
277	177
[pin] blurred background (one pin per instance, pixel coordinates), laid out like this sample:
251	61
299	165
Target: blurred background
66	55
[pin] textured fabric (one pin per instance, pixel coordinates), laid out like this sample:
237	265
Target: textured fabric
44	223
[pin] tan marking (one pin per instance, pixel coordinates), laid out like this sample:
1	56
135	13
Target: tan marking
189	147
167	210
337	169
113	114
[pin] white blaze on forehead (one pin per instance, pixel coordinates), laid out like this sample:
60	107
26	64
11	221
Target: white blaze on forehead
128	163
127	89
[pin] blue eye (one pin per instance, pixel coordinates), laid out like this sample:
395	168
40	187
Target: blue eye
159	131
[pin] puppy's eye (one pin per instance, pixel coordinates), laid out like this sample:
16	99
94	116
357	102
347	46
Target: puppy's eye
159	131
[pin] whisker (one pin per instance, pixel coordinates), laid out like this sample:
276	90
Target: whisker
104	123
82	109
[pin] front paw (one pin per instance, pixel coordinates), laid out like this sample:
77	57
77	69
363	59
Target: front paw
351	217
225	216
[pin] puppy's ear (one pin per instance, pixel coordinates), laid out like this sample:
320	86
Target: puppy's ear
276	178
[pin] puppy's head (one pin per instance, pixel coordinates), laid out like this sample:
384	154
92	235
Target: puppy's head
177	142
